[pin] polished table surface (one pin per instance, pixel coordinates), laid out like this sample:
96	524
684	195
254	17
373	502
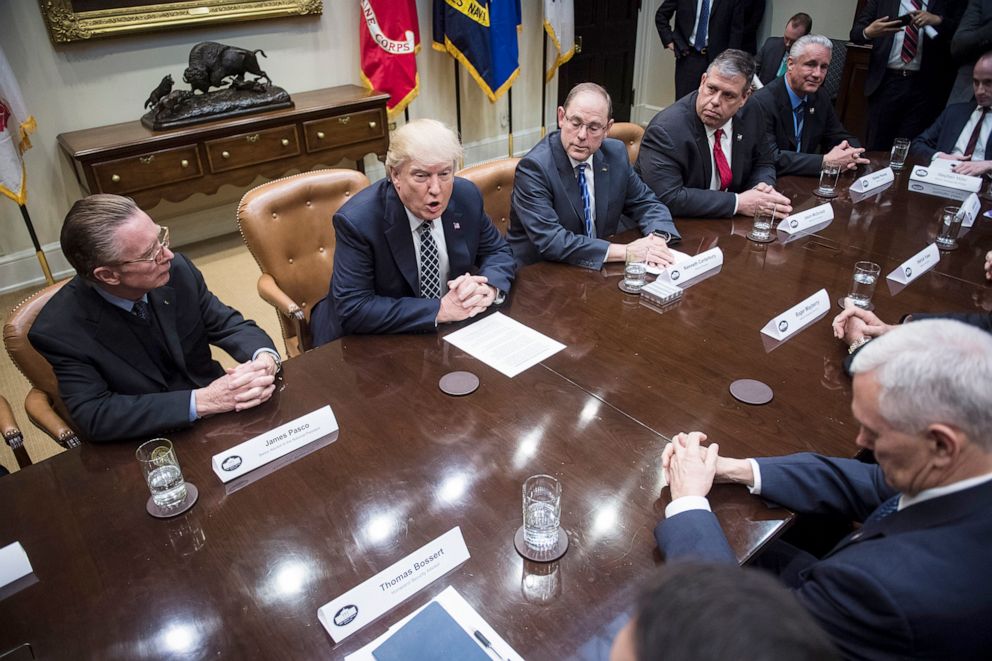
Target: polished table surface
243	573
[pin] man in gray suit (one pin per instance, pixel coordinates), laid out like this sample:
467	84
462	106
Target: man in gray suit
705	156
571	189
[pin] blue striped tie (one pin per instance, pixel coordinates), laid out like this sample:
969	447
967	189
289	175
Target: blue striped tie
704	24
586	205
887	508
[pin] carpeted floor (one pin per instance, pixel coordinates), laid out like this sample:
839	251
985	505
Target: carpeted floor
230	272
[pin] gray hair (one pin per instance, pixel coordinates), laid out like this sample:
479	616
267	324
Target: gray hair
593	88
425	140
89	231
733	62
934	370
800	44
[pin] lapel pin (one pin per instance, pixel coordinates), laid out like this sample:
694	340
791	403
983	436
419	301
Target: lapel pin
457	226
812	110
739	137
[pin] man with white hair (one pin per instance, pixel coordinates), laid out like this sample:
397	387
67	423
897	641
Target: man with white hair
913	580
415	249
800	122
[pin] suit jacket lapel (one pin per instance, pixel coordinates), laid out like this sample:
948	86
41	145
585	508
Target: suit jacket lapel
738	155
602	184
702	142
566	175
163	301
785	119
113	333
459	261
400	238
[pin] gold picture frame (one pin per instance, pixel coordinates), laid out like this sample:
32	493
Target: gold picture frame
80	20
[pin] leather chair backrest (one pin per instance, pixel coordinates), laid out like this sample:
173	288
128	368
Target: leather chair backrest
495	180
287	227
630	134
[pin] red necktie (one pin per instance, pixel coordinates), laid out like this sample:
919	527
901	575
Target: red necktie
910	38
973	140
721	161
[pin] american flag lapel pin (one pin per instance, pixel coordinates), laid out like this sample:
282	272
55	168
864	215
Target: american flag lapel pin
457	226
739	137
812	110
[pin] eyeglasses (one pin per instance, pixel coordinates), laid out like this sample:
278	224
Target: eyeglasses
158	256
591	129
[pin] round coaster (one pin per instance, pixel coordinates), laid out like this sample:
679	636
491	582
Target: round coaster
555	552
628	290
752	238
750	391
168	512
457	384
822	193
840	303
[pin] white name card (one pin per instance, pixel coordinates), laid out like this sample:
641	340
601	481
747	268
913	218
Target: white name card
798	317
941	177
803	220
684	271
873	180
14	563
271	445
387	589
916	265
970	208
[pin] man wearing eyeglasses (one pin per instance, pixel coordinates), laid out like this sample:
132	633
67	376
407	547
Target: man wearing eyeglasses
572	188
129	336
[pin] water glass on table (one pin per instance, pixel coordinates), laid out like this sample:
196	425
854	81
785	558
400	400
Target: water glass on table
863	283
635	270
764	218
542	512
951	219
829	174
900	150
165	480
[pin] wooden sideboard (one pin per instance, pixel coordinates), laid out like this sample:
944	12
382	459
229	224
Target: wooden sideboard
324	127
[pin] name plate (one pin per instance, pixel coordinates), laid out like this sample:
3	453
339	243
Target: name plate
684	271
942	177
971	207
387	589
798	317
803	220
916	265
14	563
271	445
873	180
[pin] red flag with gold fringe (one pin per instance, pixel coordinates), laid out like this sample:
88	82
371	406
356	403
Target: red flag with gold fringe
390	41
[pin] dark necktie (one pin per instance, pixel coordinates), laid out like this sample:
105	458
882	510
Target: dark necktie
430	265
887	508
973	140
721	160
800	111
910	38
782	68
140	310
586	202
704	21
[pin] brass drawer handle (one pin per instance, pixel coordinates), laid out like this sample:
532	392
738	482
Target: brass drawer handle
145	160
345	119
371	125
184	163
115	178
225	154
320	135
285	142
252	138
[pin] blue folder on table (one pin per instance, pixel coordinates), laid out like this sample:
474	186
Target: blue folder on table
431	634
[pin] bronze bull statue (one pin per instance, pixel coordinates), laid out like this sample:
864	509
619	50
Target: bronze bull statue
210	63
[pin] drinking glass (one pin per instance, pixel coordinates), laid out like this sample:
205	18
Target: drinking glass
635	270
828	181
950	224
165	480
542	512
900	149
863	283
764	218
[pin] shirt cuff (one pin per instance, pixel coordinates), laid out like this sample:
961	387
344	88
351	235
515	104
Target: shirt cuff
192	406
685	504
756	472
735	204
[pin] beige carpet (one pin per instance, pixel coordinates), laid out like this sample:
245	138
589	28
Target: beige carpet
231	274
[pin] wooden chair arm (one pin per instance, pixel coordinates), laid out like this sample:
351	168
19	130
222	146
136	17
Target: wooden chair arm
40	411
12	434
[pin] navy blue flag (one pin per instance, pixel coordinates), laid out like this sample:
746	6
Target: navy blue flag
482	35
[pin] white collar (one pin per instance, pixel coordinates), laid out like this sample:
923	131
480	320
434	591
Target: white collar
727	129
936	492
575	163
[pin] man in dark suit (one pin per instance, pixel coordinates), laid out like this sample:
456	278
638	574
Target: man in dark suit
971	40
912	581
963	132
705	155
416	249
800	123
129	336
909	73
703	30
772	59
751	12
549	217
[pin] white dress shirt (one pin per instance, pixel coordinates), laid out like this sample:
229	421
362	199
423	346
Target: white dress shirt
695	25
727	145
895	54
983	135
590	182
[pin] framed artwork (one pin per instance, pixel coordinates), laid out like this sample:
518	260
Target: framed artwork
79	20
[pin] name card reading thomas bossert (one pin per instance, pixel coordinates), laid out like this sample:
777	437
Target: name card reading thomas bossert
873	180
942	177
683	271
798	317
271	445
970	208
916	265
803	220
387	589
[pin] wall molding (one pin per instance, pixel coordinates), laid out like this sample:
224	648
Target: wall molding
20	270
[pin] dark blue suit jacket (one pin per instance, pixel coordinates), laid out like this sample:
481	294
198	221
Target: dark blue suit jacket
769	59
375	286
914	584
943	134
546	218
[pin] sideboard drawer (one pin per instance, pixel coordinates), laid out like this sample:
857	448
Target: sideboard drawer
262	146
135	173
343	129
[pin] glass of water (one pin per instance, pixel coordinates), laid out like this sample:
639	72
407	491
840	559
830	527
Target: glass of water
900	149
951	219
542	512
635	270
863	283
162	473
764	218
828	181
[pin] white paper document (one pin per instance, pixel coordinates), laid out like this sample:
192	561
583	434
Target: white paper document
798	316
916	265
873	180
685	270
504	344
971	208
803	220
14	563
945	178
461	612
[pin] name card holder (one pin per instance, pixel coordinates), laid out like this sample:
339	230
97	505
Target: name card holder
971	207
873	180
798	316
693	267
802	221
915	266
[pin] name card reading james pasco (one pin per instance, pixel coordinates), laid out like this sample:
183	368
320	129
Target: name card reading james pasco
798	317
873	180
803	220
685	270
916	265
367	601
271	445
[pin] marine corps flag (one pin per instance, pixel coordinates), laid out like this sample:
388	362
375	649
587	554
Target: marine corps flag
482	35
390	41
15	125
559	23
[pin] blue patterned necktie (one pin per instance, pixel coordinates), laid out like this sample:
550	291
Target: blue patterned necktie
887	508
140	310
800	111
430	264
586	204
704	20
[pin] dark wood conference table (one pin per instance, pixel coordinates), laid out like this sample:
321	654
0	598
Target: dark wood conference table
243	573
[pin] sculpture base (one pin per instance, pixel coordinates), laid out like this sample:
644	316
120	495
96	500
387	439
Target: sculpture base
186	108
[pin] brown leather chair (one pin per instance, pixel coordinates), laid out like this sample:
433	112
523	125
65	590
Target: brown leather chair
12	433
495	180
286	225
43	404
631	135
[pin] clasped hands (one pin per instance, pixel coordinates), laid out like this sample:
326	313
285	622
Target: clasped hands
854	324
242	387
690	469
845	156
763	196
467	296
